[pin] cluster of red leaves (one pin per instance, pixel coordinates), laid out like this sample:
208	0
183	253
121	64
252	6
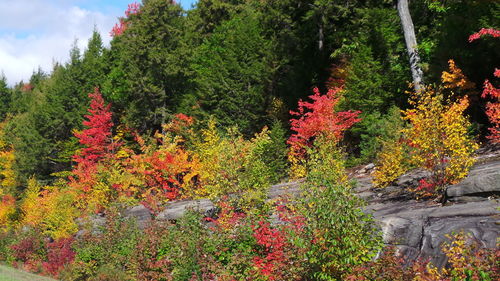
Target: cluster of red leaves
97	141
489	91
59	254
97	137
27	87
8	200
228	216
493	108
272	258
484	31
29	252
320	118
121	26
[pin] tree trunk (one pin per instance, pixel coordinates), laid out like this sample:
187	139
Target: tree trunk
411	44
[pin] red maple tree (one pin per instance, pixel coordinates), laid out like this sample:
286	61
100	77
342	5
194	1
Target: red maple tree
121	26
96	139
320	118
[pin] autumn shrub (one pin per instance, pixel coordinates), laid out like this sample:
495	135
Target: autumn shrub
7	210
341	235
98	146
490	91
230	164
29	251
391	163
8	177
59	255
50	209
314	119
436	137
439	140
111	245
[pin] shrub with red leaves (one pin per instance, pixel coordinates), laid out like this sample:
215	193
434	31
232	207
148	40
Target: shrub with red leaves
490	91
59	254
320	118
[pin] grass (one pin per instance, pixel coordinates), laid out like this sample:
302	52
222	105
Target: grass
12	274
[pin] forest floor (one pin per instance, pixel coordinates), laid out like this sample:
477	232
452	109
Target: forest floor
12	274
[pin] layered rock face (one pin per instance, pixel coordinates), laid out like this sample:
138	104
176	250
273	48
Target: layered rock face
418	228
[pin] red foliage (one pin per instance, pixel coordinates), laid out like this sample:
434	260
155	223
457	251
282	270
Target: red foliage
59	254
492	108
320	118
121	26
272	259
29	252
484	31
27	87
96	139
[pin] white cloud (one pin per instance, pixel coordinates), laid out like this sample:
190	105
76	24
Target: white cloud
36	33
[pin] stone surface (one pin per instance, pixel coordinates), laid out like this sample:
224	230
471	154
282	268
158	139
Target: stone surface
418	229
141	214
482	180
175	210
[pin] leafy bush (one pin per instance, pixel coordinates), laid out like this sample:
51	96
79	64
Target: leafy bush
111	246
316	118
50	209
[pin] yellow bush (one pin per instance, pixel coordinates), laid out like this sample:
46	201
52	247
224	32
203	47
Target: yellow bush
50	209
390	164
7	209
438	137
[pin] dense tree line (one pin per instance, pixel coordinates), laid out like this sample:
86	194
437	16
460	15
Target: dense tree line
246	63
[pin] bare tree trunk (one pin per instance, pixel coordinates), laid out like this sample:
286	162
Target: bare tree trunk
411	44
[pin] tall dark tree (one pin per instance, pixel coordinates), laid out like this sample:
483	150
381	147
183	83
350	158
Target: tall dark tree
232	73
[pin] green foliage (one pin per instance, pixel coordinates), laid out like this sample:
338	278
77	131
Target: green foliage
274	153
105	249
148	68
232	71
5	97
379	129
343	234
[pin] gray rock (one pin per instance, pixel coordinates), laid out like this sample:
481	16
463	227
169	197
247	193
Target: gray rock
176	210
140	214
482	180
369	166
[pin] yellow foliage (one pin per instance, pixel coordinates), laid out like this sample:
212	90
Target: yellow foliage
8	179
51	209
7	209
231	164
438	136
297	165
455	78
390	164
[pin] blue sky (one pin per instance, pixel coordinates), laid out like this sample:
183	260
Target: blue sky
37	33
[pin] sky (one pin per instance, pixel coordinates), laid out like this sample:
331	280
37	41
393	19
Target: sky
37	33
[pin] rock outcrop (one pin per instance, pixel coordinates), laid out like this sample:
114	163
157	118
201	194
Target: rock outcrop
418	228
